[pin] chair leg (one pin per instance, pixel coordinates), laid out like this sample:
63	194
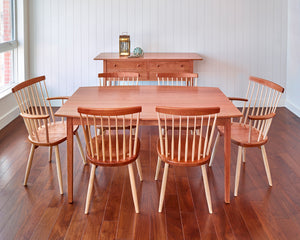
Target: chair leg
206	188
157	167
214	150
133	188
58	168
158	164
267	168
29	162
163	187
90	188
50	153
139	168
80	148
238	171
244	154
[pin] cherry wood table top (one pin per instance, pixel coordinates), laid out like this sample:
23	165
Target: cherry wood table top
151	56
148	97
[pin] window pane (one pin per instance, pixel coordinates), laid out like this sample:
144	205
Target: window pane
6	26
6	69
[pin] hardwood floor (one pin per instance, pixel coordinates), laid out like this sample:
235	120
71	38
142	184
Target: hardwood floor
38	211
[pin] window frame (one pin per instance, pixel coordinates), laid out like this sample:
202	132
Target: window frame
11	46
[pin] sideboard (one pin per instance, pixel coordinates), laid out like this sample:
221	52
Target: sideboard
150	64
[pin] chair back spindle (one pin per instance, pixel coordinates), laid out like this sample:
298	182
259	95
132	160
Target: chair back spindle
118	79
177	79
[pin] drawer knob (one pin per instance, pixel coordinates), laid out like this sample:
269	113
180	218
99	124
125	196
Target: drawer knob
138	65
115	65
158	65
181	65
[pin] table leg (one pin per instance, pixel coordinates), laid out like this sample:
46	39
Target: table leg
70	158
227	153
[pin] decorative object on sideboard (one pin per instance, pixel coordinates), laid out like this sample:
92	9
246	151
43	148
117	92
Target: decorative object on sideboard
137	52
124	44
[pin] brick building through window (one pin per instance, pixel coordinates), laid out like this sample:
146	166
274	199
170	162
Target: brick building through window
6	37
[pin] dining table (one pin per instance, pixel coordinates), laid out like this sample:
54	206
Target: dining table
148	97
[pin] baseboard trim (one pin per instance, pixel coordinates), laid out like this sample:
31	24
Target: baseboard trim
8	117
292	107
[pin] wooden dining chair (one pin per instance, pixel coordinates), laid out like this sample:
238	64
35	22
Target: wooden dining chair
117	146
174	79
43	128
177	79
180	147
251	130
118	78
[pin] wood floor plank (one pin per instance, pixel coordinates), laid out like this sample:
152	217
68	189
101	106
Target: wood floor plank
190	225
63	221
239	227
108	230
47	221
184	193
112	209
32	220
251	219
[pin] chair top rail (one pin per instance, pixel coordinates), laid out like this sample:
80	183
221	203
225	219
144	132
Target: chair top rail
110	111
267	83
28	83
187	111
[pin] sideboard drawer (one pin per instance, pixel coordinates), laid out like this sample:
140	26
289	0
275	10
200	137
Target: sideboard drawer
168	67
126	66
143	75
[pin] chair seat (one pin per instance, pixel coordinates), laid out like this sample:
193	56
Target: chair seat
57	134
113	161
183	162
240	135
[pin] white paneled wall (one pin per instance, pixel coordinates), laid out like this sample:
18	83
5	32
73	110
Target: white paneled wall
237	38
293	58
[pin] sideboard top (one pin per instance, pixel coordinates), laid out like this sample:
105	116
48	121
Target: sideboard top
151	56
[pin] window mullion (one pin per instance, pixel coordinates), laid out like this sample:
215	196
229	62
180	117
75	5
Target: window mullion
6	46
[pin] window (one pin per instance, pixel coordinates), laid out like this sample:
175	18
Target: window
8	44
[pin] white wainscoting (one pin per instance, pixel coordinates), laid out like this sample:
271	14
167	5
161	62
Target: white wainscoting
237	38
9	110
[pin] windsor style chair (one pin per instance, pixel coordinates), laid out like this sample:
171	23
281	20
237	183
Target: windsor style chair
177	79
43	129
174	79
118	78
117	146
180	147
252	128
